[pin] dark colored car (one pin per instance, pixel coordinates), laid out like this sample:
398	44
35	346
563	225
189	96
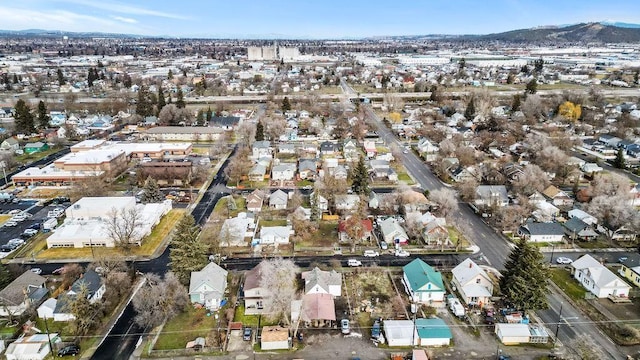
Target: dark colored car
246	336
69	350
375	330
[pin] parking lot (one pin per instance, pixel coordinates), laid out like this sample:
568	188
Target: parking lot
38	215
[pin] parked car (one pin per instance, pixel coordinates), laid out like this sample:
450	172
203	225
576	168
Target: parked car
69	350
622	259
375	330
11	223
15	212
36	271
246	335
383	245
563	260
344	326
29	233
371	253
402	253
354	262
6	248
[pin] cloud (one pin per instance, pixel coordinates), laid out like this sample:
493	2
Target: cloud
125	20
124	8
20	19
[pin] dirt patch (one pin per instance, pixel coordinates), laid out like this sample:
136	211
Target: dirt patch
371	292
236	343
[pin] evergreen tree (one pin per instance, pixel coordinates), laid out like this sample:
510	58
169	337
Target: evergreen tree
144	107
259	131
83	309
5	276
23	118
161	100
470	111
200	117
538	65
91	76
360	178
15	78
286	105
524	280
61	79
209	114
43	115
619	161
187	253
532	87
515	104
180	99
127	81
152	193
170	75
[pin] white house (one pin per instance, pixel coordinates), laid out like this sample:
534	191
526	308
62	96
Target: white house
32	347
400	332
542	232
318	281
284	171
275	235
45	311
207	286
582	215
423	283
473	283
598	279
278	200
392	232
236	229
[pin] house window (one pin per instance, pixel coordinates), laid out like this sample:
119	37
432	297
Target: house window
428	286
477	281
259	305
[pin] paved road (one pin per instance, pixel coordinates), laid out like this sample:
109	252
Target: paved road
606	166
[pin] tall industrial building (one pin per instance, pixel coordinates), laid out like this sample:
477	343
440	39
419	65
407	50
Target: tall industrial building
272	53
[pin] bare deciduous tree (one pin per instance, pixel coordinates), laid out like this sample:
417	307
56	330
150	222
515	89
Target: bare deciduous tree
611	184
279	276
532	179
446	199
123	227
159	299
532	108
274	127
246	133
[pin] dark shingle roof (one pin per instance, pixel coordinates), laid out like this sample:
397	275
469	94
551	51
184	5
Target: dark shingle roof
544	229
14	293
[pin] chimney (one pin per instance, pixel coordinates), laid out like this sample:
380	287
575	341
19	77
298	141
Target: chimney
470	264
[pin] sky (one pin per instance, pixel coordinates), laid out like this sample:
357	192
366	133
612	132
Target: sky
306	19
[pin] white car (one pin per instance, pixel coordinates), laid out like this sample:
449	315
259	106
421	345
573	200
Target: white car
36	271
402	253
371	253
11	223
354	262
563	260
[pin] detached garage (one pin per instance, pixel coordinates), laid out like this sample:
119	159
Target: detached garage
400	333
274	338
433	332
513	334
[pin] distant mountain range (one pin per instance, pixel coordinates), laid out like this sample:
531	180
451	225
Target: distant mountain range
598	32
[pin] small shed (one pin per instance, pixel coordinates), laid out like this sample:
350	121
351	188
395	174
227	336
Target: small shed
513	334
45	311
274	338
400	332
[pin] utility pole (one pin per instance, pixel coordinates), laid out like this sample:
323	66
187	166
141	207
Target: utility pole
46	326
559	320
553	248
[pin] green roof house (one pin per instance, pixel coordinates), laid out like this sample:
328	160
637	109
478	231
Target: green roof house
423	283
35	147
433	332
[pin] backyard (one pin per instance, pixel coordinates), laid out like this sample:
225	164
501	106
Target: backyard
185	327
371	294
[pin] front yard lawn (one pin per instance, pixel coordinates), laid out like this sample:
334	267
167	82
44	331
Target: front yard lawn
568	284
185	327
250	320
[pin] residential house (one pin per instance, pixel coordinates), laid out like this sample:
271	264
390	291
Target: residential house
433	332
473	283
207	286
350	149
545	212
32	347
423	283
370	149
392	231
488	196
286	148
340	173
590	168
283	171
518	333
235	230
45	311
254	293
90	282
257	173
25	291
329	148
318	309
307	169
461	174
261	149
379	168
319	281
365	229
274	235
542	232
598	279
10	144
319	201
278	200
35	147
425	146
584	216
255	200
274	338
576	229
512	171
630	269
347	202
557	196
